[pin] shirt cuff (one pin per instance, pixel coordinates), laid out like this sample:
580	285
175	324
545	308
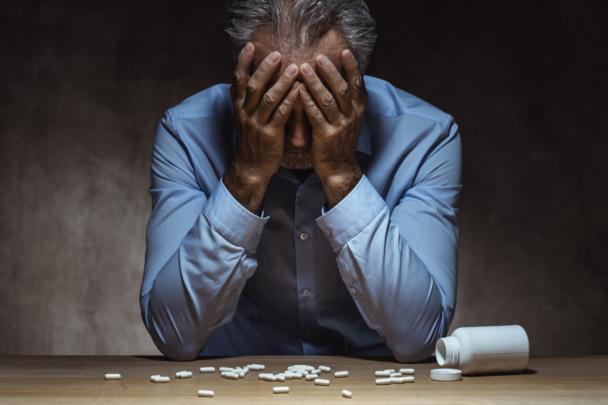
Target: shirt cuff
351	215
237	224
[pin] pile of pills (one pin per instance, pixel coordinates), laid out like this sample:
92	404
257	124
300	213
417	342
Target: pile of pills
298	371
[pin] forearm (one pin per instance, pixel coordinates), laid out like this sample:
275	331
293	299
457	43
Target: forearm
247	187
392	286
197	289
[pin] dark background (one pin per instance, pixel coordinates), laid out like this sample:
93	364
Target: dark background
84	83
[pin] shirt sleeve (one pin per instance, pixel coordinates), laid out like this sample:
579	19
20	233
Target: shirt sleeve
401	267
200	250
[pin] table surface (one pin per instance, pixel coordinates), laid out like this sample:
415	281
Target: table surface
80	379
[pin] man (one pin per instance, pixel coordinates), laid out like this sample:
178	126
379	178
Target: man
305	209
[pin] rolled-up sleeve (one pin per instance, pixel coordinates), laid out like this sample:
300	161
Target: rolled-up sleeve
200	250
400	267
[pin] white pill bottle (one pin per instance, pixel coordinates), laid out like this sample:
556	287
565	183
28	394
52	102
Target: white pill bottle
485	350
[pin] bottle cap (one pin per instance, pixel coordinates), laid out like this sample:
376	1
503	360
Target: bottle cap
446	374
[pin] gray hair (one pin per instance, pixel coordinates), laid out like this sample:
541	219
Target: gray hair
302	23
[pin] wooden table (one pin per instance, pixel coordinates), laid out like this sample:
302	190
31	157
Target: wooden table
80	379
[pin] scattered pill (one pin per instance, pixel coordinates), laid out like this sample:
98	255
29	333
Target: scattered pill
320	381
153	377
383	374
280	378
160	379
396	380
383	381
226	369
296	375
347	394
396	375
185	374
112	376
256	367
316	371
288	376
232	376
325	369
246	369
408	379
311	377
207	369
205	393
269	377
280	390
340	374
223	374
407	371
241	374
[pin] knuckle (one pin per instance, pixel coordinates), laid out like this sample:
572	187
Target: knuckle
236	77
344	90
243	118
281	112
327	100
268	99
252	87
358	82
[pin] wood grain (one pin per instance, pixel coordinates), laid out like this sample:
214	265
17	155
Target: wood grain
80	379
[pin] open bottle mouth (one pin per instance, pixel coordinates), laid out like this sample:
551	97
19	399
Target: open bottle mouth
447	352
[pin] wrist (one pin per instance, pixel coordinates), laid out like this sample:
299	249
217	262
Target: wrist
248	189
338	185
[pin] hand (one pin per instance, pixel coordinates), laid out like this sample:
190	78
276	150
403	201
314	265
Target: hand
259	120
336	118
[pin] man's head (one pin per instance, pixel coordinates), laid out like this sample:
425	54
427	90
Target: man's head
300	30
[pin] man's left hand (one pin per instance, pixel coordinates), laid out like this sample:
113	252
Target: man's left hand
336	118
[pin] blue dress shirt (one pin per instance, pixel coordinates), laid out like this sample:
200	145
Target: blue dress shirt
375	275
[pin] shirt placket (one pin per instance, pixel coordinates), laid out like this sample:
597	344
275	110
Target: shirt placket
303	234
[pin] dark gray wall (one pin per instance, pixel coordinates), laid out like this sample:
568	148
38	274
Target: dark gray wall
84	83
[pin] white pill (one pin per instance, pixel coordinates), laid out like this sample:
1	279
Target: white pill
396	380
226	369
205	393
316	371
320	381
161	379
288	376
270	378
207	369
311	377
383	381
347	394
238	368
246	369
408	379
185	374
241	374
407	371
280	390
280	378
112	376
232	376
153	377
296	375
223	374
308	368
325	369
390	370
396	375
340	374
383	374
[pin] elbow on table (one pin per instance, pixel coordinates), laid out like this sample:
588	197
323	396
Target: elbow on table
408	352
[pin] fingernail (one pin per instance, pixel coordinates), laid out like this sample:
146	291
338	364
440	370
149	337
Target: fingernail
248	47
273	57
306	69
349	54
295	86
304	88
322	59
291	70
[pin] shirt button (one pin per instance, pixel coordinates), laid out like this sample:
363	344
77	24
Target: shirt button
353	290
306	293
303	236
327	231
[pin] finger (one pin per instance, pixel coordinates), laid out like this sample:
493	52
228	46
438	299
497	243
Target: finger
281	114
322	96
257	82
275	94
241	76
353	77
314	113
339	87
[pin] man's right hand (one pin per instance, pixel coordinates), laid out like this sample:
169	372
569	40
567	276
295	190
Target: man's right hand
259	120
